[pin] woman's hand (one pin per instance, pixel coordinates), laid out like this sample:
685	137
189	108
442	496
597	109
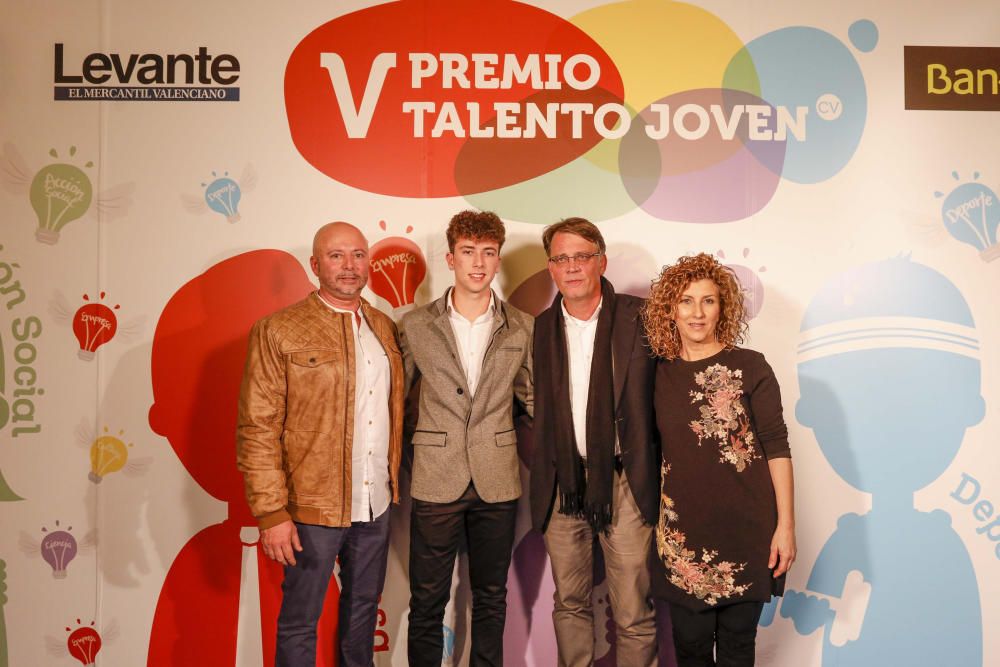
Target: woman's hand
782	550
783	543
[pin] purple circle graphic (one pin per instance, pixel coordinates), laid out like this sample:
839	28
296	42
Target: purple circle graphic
719	158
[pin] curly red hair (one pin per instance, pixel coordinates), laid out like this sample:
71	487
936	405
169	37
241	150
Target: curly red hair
660	308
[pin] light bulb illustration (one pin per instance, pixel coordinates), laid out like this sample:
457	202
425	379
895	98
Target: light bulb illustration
60	193
94	324
84	643
58	548
397	270
971	214
223	196
750	284
108	454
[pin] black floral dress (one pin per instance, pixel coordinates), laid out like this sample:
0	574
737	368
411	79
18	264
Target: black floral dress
720	420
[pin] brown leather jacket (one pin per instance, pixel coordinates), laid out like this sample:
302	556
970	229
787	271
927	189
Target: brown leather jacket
296	414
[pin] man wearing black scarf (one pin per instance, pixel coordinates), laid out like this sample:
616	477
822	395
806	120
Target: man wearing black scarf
594	473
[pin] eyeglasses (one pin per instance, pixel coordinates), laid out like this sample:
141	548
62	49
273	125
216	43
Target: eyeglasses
581	258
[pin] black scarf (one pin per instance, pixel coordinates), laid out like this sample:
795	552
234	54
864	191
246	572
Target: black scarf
587	496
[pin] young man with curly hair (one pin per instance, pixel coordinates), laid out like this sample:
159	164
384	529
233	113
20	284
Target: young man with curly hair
471	353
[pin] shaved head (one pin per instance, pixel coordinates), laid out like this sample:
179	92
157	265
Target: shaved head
340	261
337	230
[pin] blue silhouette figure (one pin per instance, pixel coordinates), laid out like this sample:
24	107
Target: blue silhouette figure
889	380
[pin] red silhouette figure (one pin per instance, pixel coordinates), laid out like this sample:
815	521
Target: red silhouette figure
199	349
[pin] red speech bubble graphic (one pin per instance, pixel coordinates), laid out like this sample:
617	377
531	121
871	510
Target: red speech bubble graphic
384	99
199	349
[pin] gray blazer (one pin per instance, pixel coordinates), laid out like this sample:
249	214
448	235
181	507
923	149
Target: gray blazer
459	437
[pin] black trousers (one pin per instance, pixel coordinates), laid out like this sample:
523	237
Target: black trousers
730	630
436	530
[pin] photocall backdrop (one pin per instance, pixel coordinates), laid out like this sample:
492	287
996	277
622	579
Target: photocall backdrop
163	169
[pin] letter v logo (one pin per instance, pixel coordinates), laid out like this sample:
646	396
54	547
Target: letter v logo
357	118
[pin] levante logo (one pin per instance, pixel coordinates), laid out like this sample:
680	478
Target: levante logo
148	77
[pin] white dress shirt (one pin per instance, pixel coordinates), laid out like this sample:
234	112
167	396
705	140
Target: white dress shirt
580	335
472	338
370	493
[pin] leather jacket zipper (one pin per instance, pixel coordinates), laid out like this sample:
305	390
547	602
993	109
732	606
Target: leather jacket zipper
346	482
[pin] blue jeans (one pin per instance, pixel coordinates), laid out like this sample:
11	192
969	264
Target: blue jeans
362	549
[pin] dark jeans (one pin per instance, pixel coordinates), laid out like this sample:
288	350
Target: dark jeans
362	548
436	530
731	630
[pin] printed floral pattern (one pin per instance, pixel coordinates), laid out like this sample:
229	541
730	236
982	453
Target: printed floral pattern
703	578
723	416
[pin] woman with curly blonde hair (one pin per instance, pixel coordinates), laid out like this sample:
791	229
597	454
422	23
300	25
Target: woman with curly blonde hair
726	532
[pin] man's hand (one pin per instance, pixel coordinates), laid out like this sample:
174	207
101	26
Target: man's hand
280	542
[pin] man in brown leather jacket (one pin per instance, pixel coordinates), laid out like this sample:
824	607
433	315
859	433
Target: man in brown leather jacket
319	441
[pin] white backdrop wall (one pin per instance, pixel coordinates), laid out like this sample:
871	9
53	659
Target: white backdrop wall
865	237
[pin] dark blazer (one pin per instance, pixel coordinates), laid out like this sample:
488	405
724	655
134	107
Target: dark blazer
634	374
461	437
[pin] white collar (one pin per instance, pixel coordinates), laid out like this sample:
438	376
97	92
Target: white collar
577	321
453	312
